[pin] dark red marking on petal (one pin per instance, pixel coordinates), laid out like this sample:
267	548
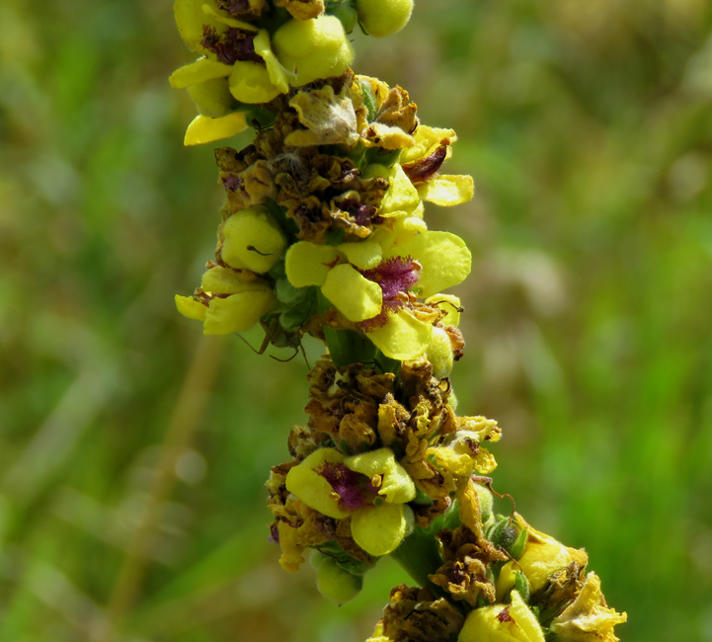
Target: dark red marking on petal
422	169
504	616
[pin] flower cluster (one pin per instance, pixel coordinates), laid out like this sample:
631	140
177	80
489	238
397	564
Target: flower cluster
323	233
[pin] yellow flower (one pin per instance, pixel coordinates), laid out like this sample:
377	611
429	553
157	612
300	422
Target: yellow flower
365	281
371	488
422	161
502	623
227	301
588	618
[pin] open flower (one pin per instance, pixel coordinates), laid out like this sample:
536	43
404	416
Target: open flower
227	301
369	282
370	488
422	162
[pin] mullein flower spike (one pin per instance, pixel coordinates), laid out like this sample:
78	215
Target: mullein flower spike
323	233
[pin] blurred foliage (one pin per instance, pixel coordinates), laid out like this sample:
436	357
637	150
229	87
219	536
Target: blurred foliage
588	128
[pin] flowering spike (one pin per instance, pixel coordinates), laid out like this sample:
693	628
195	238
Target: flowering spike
323	232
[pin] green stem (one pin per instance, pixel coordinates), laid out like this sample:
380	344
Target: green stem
418	554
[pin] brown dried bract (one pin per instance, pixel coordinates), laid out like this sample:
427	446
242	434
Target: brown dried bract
414	615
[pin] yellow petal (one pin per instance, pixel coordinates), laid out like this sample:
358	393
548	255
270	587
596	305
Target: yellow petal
209	10
427	139
449	304
396	485
198	71
447	190
308	263
525	619
222	280
276	72
353	294
190	20
237	312
313	489
401	194
379	530
365	255
444	256
190	308
544	556
403	336
250	83
206	130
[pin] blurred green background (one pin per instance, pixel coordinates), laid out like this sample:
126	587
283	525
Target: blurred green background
131	502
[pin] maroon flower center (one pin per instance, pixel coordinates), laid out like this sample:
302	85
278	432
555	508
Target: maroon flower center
395	276
231	45
354	489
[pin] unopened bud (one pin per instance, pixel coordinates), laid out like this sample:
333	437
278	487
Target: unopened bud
382	18
336	584
251	240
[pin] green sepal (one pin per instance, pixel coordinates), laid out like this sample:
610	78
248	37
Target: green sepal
516	550
347	347
345	561
379	156
335	236
369	98
259	117
521	584
288	225
387	364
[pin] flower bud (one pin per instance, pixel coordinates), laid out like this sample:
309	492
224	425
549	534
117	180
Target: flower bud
502	623
251	240
313	49
336	584
439	353
543	556
382	18
509	536
486	501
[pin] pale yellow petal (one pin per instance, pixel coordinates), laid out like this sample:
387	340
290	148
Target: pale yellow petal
444	256
190	308
198	71
365	255
403	336
379	530
237	312
353	294
207	130
276	72
308	263
307	484
447	190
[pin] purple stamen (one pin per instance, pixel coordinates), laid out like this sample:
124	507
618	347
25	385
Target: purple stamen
354	489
